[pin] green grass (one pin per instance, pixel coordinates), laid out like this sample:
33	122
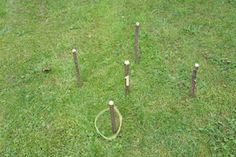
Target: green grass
45	114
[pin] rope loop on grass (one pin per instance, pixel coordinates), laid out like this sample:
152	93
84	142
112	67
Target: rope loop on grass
119	128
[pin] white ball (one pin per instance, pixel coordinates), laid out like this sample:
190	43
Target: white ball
111	102
197	65
126	62
74	50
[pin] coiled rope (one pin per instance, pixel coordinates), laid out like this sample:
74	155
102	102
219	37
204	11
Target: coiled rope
119	128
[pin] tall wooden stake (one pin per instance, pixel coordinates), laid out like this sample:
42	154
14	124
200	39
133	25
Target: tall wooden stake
136	43
113	118
194	79
127	73
75	56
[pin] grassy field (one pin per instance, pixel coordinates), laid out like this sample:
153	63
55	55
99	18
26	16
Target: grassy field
45	114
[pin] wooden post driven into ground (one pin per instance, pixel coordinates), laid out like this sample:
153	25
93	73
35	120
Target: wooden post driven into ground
136	43
113	118
194	80
75	56
127	76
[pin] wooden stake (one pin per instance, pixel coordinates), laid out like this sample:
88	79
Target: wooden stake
75	56
113	118
127	73
136	43
194	79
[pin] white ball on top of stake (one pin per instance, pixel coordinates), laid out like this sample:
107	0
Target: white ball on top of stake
127	73
194	79
75	56
136	42
113	118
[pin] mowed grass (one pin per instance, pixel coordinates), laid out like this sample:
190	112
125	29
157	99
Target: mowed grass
46	114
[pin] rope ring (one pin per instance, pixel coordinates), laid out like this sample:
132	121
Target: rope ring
117	132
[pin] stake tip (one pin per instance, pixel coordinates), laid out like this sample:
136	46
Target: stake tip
74	50
137	23
111	103
197	65
126	62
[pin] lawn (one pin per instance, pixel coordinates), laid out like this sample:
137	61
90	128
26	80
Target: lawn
46	114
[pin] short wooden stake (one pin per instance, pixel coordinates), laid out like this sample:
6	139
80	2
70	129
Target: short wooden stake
75	56
194	79
136	43
127	74
113	118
